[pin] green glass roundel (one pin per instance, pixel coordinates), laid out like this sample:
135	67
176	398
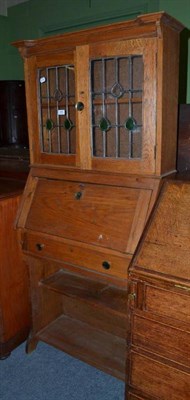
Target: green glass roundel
130	124
104	124
68	124
49	124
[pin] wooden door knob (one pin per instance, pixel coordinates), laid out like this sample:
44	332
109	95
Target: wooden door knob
39	246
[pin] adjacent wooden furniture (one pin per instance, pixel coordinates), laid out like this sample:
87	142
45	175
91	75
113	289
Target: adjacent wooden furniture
183	159
102	113
13	118
159	302
14	168
14	297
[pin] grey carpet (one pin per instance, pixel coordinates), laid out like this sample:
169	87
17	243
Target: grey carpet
50	374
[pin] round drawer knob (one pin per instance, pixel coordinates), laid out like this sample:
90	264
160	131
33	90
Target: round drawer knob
132	296
78	195
106	265
79	106
39	246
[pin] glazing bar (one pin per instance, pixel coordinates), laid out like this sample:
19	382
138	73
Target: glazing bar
103	106
58	125
49	114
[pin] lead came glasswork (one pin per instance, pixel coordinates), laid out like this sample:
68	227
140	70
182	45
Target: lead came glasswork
117	90
116	107
58	95
68	124
130	124
104	124
49	124
57	109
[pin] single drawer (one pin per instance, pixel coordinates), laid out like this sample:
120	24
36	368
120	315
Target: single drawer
173	304
157	379
168	341
70	252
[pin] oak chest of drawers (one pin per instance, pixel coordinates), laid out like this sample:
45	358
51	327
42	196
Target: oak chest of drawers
159	310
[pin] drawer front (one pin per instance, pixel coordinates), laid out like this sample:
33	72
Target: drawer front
162	339
159	380
168	303
100	215
80	255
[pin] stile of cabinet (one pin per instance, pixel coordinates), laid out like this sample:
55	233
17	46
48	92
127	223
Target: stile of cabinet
102	116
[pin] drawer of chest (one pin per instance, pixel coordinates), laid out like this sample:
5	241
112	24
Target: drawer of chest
173	303
104	261
169	341
158	379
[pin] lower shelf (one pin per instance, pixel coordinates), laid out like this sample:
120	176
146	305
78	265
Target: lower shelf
97	348
93	291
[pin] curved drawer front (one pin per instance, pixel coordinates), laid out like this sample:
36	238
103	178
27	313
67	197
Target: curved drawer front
90	257
107	216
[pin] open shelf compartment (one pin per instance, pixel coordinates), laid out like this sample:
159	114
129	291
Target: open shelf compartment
97	292
99	349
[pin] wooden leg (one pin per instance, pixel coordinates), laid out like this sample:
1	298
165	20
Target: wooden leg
31	344
5	356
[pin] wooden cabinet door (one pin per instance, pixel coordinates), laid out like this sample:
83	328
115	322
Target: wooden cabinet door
95	107
50	87
123	105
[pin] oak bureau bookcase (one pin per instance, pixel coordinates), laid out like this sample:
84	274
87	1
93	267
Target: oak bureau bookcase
102	116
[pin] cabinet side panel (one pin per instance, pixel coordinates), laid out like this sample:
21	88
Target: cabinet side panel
167	100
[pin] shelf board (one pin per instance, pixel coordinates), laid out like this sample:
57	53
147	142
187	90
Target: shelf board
95	347
96	292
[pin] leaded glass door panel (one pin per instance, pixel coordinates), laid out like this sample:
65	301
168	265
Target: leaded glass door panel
117	88
55	90
57	109
123	109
